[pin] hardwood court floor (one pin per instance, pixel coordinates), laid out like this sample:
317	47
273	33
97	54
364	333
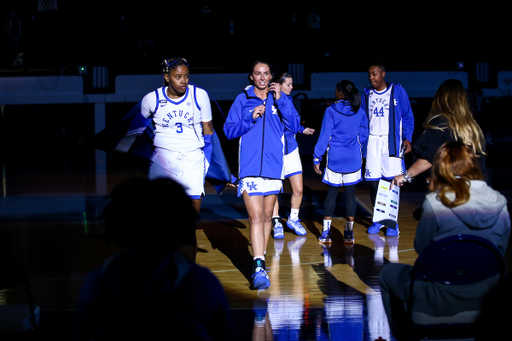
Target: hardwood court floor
50	222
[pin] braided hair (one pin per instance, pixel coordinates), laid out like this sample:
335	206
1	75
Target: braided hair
173	63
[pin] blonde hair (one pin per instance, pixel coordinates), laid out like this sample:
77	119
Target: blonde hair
451	102
455	164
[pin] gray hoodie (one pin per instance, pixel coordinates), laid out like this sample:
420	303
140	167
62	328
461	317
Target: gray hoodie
484	215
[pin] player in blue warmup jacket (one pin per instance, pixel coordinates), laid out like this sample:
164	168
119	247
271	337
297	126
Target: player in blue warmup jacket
344	131
258	117
390	125
292	167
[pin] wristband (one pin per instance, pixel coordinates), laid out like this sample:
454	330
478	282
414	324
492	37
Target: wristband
407	178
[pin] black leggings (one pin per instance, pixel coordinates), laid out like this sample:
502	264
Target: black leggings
350	200
374	187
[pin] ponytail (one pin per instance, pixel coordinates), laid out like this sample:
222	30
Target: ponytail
351	93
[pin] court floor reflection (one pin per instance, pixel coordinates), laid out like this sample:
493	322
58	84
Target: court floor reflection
317	292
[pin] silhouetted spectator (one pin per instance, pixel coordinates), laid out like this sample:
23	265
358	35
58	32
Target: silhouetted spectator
151	290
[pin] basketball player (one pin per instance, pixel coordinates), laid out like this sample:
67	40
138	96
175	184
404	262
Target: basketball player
391	124
292	167
182	119
258	117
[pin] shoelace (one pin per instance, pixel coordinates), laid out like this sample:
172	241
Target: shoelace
260	270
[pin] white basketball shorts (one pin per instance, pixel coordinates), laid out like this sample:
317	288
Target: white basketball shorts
379	165
188	169
259	186
292	164
341	179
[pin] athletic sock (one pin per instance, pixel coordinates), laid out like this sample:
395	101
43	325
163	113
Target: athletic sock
275	220
259	262
294	214
327	224
349	226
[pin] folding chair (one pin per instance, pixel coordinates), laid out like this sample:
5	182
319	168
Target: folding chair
455	260
16	317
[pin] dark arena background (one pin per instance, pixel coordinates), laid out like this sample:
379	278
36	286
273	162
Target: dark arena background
79	67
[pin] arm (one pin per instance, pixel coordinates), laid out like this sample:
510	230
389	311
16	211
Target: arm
291	118
238	121
407	119
323	139
206	112
420	166
207	128
363	129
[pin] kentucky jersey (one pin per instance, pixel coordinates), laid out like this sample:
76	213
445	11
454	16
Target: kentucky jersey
378	109
177	122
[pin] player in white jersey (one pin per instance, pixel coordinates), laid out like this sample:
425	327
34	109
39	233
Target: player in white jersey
391	124
182	118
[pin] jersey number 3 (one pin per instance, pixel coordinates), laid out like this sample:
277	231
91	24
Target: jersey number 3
179	127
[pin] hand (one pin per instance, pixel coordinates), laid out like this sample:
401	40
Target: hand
407	146
308	131
232	185
397	181
275	89
317	169
258	111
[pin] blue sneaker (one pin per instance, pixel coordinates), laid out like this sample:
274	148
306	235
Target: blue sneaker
375	228
349	237
392	232
278	231
260	279
325	238
296	226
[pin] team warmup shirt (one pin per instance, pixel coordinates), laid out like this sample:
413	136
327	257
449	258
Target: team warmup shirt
378	107
178	121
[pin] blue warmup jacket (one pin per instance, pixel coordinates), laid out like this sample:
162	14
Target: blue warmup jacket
290	141
342	134
261	142
401	119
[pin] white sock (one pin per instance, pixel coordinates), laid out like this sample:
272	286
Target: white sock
327	224
349	226
294	214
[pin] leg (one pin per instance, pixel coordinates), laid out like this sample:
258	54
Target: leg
260	211
350	202
329	207
275	213
394	280
374	185
255	210
269	204
197	204
293	221
297	190
375	227
350	209
330	202
276	222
